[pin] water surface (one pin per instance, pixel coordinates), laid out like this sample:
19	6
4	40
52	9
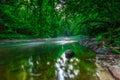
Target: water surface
45	60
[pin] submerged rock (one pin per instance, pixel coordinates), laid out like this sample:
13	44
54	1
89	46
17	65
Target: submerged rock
69	54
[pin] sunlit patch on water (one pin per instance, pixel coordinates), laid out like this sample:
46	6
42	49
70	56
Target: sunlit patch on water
62	42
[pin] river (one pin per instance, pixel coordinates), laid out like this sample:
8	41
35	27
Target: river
45	60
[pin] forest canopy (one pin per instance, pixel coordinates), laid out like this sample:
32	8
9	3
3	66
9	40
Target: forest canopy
54	18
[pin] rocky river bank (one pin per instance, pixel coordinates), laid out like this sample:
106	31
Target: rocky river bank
107	61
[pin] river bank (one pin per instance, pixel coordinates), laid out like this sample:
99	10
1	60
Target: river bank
107	60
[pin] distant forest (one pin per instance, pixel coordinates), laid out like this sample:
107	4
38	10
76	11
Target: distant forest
54	18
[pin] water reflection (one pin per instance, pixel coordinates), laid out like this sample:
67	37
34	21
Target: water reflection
66	69
41	61
34	66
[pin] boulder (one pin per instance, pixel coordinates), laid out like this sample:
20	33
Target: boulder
69	54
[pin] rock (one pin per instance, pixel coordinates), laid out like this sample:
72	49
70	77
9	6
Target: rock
103	50
103	74
69	54
115	71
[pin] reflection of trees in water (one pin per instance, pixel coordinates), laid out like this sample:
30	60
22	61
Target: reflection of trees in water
75	68
33	68
37	67
66	69
41	68
34	65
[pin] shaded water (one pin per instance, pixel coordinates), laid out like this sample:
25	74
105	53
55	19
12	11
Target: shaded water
45	60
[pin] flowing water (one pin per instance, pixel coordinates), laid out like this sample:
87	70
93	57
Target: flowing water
45	60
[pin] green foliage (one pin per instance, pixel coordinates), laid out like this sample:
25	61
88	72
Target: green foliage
99	37
14	36
41	18
117	42
96	18
116	51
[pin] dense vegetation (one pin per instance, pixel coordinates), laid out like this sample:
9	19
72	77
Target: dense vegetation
53	18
